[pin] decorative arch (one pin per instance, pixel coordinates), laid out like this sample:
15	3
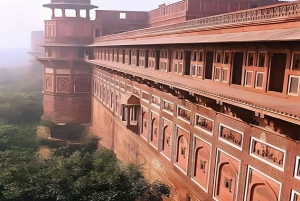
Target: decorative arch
166	140
226	181
262	192
154	129
201	153
182	146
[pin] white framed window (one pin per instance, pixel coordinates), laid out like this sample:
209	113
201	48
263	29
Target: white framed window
250	58
261	59
193	70
259	80
155	100
295	65
168	107
218	58
248	78
217	74
231	136
295	196
297	168
224	75
199	71
226	57
184	114
204	123
294	85
267	153
145	96
180	68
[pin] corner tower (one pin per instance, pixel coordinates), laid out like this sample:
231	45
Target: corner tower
66	75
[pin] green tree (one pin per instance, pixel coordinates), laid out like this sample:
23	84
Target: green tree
99	176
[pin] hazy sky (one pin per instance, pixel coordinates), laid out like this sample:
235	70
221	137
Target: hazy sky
19	17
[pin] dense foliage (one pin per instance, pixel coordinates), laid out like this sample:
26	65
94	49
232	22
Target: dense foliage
99	176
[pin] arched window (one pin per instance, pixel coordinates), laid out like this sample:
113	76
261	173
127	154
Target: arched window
154	129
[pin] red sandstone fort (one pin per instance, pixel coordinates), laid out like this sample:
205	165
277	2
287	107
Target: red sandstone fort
204	93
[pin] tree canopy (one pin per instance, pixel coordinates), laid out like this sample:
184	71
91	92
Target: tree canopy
97	176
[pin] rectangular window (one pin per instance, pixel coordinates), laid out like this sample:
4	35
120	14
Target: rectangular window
248	78
259	80
202	165
294	83
155	100
145	96
227	184
296	61
224	75
199	71
122	86
194	70
169	107
297	168
200	58
204	123
226	59
184	114
250	58
231	136
180	69
268	153
217	73
175	67
194	57
261	60
218	58
183	151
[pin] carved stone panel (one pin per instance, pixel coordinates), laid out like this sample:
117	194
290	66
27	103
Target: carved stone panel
49	83
82	84
267	153
261	187
63	84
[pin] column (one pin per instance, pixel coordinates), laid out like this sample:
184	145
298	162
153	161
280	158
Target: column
53	13
128	115
78	13
87	13
63	12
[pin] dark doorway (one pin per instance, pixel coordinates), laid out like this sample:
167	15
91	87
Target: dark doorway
137	57
123	56
277	72
187	67
146	58
209	60
237	68
157	59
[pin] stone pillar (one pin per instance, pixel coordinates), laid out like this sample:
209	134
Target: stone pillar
53	13
63	12
78	13
128	115
87	13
